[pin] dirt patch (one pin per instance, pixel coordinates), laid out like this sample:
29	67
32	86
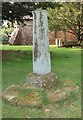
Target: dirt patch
64	93
6	51
56	96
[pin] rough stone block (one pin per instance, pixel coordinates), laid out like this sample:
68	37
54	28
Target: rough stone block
42	81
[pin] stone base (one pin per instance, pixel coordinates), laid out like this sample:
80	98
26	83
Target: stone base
24	95
42	81
17	95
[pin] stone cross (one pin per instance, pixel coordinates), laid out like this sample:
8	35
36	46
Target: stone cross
41	54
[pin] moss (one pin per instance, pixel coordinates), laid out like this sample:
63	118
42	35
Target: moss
31	99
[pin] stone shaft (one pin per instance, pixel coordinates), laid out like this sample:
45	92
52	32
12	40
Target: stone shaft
41	54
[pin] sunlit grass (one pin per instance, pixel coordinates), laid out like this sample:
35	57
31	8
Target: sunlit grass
13	47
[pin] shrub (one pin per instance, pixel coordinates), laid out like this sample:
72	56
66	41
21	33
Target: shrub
5	34
4	39
70	44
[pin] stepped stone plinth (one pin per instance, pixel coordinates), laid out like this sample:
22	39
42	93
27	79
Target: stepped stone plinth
42	81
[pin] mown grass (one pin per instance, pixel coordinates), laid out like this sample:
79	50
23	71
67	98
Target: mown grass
65	62
15	47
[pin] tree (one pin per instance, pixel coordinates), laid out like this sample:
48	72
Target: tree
67	16
16	10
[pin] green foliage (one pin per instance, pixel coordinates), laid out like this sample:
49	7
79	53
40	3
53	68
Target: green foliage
12	11
71	44
4	39
67	16
4	35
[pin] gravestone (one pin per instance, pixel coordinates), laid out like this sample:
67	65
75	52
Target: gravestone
42	75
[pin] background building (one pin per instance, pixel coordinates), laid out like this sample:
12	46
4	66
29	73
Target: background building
25	33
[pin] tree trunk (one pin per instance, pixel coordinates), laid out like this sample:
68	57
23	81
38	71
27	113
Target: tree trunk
65	38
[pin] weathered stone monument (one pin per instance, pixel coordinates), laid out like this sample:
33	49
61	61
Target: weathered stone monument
41	77
41	55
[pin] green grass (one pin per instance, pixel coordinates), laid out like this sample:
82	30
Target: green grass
13	47
65	62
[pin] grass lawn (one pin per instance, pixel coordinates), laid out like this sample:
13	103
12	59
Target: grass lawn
65	62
